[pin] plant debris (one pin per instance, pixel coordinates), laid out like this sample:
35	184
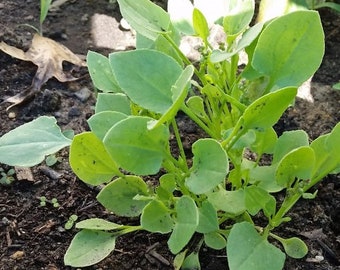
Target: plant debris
48	55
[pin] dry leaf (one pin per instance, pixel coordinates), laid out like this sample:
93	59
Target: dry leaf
48	55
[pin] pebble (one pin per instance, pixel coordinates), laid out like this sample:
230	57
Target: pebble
74	112
83	94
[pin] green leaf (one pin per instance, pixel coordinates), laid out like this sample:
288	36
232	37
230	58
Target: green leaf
145	17
331	5
98	224
191	262
264	112
289	141
156	218
27	145
44	7
257	199
113	102
205	175
136	148
265	141
231	202
179	92
200	24
101	73
264	177
101	122
215	240
118	196
294	247
186	224
147	77
180	12
247	249
239	16
90	161
208	221
298	163
283	49
89	247
196	105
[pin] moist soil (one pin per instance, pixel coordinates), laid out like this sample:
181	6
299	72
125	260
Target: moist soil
34	237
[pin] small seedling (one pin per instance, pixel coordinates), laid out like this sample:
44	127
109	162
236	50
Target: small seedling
6	177
43	201
70	222
53	202
52	160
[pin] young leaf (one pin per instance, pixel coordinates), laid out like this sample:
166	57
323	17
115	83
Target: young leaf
205	175
298	163
113	102
90	161
191	262
27	145
289	141
118	196
264	112
264	177
231	202
136	148
101	73
239	16
294	247
44	7
208	221
200	25
151	77
89	247
247	249
185	226
145	17
283	49
257	199
215	240
156	218
101	122
97	224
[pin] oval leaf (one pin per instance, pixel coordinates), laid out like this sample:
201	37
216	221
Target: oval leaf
205	175
97	224
89	247
118	196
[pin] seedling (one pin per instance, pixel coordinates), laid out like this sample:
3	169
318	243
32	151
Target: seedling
70	222
53	202
52	160
6	177
219	192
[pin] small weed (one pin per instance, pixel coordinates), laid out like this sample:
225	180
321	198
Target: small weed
69	224
53	202
6	177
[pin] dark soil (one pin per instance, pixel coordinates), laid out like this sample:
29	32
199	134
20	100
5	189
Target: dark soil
33	237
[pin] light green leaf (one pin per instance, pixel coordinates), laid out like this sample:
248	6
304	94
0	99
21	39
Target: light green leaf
191	262
208	221
186	224
257	199
265	141
289	141
98	224
101	122
264	177
247	249
90	161
231	202
27	145
145	17
113	102
215	240
205	175
101	73
118	196
147	77
89	247
156	218
44	7
294	247
200	24
264	112
179	92
283	49
136	148
239	16
196	105
298	163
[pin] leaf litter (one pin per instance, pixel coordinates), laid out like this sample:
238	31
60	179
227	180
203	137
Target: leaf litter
49	56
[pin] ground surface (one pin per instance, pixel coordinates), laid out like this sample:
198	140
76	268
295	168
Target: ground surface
33	237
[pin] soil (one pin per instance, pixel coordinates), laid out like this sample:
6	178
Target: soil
33	237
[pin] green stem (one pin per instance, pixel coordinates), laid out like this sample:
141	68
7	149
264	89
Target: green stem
179	143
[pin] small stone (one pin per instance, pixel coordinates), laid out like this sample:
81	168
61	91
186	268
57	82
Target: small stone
83	94
74	112
12	115
125	25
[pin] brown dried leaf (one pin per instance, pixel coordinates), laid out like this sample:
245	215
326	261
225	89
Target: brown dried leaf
48	55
